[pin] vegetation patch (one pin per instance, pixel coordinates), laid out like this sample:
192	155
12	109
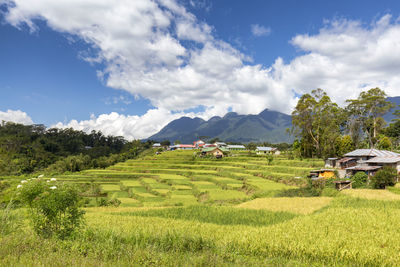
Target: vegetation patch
218	215
371	194
298	205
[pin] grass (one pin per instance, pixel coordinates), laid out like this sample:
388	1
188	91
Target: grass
298	205
180	211
217	215
372	194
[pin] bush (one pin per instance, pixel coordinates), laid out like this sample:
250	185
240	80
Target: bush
359	179
54	207
387	176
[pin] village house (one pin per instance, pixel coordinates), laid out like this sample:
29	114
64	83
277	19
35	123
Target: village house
331	162
324	173
199	143
385	161
220	144
266	150
217	152
183	147
235	147
368	161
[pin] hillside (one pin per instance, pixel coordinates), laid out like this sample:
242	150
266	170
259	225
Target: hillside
389	116
268	126
177	210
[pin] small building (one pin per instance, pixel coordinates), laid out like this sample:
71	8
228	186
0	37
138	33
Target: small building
323	173
385	161
369	170
199	143
331	162
184	147
220	144
209	145
156	145
217	152
346	162
235	147
265	150
340	185
366	154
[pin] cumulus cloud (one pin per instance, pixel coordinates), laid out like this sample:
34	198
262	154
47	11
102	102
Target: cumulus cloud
132	127
259	30
158	50
16	116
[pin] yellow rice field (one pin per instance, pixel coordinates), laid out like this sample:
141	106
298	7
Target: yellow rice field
299	205
371	194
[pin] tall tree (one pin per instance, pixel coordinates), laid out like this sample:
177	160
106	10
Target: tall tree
367	111
316	121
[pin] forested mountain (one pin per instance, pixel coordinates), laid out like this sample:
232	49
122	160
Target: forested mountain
389	116
268	126
24	149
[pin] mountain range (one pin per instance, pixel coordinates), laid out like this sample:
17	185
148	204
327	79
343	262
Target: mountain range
389	116
268	126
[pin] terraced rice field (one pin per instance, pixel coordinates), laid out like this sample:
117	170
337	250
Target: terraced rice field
163	221
179	178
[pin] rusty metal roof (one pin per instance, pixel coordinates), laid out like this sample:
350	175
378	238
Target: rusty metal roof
371	153
384	160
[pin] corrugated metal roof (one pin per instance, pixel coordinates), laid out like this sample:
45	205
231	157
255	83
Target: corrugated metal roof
384	160
371	153
264	148
364	168
185	145
343	160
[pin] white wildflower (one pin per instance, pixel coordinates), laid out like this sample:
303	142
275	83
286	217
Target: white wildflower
53	179
24	181
19	186
53	187
40	176
48	181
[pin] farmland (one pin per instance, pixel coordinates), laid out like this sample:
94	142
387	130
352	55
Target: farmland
178	179
180	210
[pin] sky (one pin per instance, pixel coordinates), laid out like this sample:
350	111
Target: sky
128	68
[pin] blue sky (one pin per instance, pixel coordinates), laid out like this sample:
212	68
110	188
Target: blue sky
197	58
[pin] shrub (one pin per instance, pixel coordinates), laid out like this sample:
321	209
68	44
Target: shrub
359	179
387	176
54	208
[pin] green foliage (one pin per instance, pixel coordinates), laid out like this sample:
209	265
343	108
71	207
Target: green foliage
104	202
316	121
387	176
270	158
53	207
26	149
366	113
385	143
218	215
359	179
344	144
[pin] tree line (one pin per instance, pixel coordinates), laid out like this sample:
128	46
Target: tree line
323	129
29	148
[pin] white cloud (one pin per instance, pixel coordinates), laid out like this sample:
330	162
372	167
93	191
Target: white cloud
158	50
16	116
259	30
133	127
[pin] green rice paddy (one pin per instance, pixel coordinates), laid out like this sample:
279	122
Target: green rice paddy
163	180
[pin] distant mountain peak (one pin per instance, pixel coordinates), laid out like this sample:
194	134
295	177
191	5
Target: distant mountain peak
230	115
267	126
